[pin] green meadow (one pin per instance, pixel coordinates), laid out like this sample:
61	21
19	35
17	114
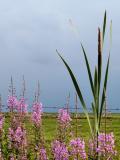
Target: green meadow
49	128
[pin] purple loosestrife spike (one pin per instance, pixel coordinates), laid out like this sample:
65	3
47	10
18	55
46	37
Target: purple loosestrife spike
1	122
106	145
77	149
60	151
37	114
12	102
43	154
22	106
64	117
37	107
17	137
92	145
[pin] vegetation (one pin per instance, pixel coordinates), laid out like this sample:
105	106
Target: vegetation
98	92
50	128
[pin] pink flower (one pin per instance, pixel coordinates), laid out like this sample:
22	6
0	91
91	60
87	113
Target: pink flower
64	117
106	144
77	148
11	134
36	118
1	122
43	155
12	158
24	158
37	107
22	106
17	137
12	102
60	151
37	114
92	147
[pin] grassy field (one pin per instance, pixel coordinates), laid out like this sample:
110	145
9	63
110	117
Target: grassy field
50	128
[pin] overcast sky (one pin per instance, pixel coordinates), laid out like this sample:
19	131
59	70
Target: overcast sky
31	31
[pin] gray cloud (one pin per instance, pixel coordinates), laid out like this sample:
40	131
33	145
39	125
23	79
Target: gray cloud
31	31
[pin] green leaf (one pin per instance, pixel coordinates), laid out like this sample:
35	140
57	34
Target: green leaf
95	118
95	83
88	70
110	35
78	92
104	90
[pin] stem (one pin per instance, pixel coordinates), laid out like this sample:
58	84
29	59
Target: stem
76	111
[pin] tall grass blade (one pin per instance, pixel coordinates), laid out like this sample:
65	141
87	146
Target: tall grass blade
95	82
88	70
110	36
104	90
78	92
